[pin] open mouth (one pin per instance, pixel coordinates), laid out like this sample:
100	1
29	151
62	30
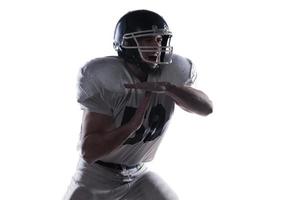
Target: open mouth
153	57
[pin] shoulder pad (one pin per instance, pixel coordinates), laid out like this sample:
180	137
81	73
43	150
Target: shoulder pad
106	73
179	72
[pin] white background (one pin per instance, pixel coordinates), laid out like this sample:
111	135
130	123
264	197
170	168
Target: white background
247	55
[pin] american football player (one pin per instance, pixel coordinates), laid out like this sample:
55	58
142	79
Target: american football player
127	102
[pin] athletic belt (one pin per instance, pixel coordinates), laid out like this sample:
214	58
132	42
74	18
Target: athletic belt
115	166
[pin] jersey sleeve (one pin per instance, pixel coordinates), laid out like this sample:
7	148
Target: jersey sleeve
192	75
91	95
180	72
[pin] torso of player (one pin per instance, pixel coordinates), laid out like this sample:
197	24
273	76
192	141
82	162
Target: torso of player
109	74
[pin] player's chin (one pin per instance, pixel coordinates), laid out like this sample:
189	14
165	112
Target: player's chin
150	63
152	67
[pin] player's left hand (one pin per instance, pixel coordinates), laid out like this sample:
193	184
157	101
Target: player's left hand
156	87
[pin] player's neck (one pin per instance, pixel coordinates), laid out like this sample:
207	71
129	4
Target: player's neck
136	71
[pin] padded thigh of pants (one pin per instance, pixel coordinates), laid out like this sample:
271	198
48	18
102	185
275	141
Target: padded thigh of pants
77	192
150	187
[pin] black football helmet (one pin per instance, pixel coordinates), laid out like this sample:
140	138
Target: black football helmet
136	26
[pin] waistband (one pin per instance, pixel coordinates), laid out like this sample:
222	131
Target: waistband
116	166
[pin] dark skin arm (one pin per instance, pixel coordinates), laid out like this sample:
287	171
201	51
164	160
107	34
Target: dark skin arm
188	98
100	137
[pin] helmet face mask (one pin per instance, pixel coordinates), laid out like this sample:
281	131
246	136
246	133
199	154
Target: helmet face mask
153	54
143	37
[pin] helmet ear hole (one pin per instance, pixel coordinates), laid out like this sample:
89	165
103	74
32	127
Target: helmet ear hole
116	45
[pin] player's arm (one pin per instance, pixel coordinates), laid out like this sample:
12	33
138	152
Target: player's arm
188	98
100	137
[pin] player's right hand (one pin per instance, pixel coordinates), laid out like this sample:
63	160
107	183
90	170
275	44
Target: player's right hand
138	118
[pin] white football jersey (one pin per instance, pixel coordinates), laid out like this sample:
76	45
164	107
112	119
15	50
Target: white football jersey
101	90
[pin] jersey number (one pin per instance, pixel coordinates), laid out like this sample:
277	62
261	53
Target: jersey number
156	121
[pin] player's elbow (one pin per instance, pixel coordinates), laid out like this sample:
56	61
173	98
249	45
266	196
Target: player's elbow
87	156
87	152
93	148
